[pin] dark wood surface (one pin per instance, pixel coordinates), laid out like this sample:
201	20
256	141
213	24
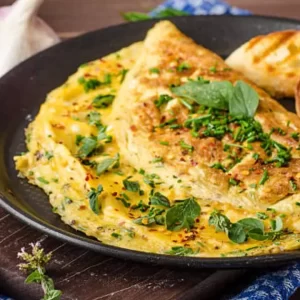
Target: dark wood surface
86	275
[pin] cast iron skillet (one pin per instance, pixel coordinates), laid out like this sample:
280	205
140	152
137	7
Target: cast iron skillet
24	89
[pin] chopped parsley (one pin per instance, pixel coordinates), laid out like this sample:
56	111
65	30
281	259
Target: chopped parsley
88	146
103	101
116	235
293	185
164	143
93	198
159	199
104	165
262	215
154	71
218	166
123	73
157	160
154	217
183	66
89	84
162	99
182	215
124	199
295	136
131	186
48	155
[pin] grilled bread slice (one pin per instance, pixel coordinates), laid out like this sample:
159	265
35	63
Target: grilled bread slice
271	61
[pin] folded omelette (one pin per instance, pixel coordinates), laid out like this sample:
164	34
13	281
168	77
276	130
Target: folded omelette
161	147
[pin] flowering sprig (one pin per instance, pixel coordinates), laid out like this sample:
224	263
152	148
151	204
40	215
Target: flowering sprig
35	266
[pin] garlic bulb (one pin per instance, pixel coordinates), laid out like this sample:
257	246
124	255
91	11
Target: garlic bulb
22	33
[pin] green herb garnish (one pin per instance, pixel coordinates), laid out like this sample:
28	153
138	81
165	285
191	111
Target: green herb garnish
103	101
264	178
159	199
163	99
186	146
180	251
154	71
43	180
34	264
108	163
182	215
131	186
89	84
93	198
89	145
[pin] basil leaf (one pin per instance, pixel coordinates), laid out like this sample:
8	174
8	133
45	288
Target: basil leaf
180	251
135	16
105	164
159	199
214	94
221	222
182	215
103	101
251	223
237	233
162	99
93	198
257	234
131	186
244	101
89	144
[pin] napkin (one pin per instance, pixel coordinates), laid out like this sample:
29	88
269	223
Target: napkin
283	282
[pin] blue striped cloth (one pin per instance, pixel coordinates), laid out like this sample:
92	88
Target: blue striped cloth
280	284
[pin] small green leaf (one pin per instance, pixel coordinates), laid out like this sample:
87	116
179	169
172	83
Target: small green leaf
214	94
89	144
93	198
43	180
131	186
135	16
237	233
182	215
159	199
154	71
180	251
107	163
264	178
35	276
220	221
251	223
103	101
277	224
163	99
257	234
53	295
245	100
171	12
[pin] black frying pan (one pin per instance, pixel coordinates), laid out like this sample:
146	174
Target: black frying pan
24	89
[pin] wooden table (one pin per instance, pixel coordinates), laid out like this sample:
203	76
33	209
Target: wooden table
83	274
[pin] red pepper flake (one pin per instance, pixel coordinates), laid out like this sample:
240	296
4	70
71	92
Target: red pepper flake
114	194
194	163
116	209
133	128
202	227
175	241
185	152
182	159
87	75
87	177
82	207
152	230
197	220
119	65
73	222
58	126
116	182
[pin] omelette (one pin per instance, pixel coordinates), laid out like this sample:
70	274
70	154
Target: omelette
162	148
